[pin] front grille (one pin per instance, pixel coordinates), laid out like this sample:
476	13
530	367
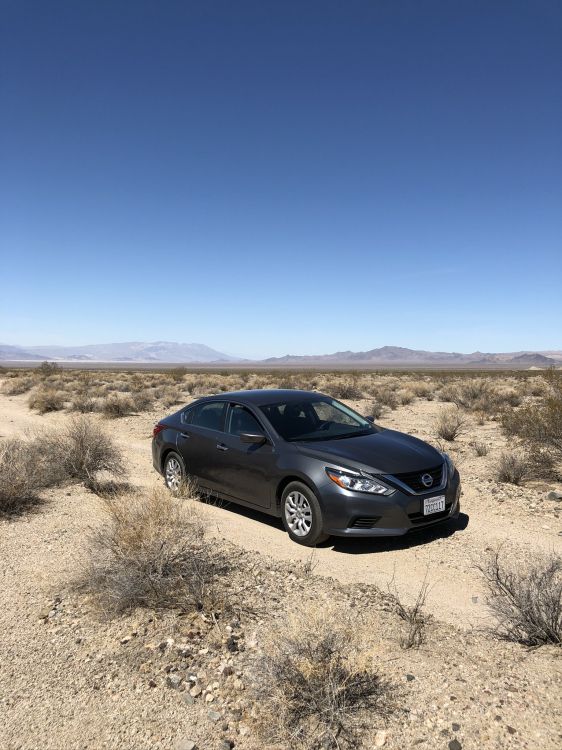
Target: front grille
418	518
365	522
413	479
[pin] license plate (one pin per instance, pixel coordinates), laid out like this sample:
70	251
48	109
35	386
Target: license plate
433	505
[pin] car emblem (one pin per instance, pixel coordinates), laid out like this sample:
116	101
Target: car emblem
426	480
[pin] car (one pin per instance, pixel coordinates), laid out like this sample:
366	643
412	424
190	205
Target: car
309	459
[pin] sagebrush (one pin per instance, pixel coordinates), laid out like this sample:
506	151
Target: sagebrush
151	551
317	687
526	597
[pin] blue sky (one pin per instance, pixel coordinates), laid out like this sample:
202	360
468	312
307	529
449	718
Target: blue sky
272	177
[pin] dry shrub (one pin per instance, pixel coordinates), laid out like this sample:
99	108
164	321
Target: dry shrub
450	424
25	469
83	404
48	369
170	397
45	400
115	407
509	398
448	393
480	417
423	390
414	616
480	449
539	425
83	450
18	385
151	552
405	397
377	410
315	686
176	374
386	396
347	389
512	467
526	598
143	400
474	395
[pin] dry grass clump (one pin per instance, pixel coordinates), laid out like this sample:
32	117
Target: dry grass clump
82	450
46	399
513	467
25	469
316	688
450	424
414	616
115	407
526	598
151	552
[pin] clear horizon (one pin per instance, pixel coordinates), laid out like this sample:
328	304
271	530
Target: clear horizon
269	178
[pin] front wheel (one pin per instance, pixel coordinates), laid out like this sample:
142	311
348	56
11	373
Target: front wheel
174	472
302	515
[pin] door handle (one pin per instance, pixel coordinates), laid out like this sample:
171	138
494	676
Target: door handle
222	447
185	434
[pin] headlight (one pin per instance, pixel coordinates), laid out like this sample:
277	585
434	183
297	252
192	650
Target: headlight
358	483
450	464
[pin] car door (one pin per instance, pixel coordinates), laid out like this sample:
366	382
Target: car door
201	433
247	471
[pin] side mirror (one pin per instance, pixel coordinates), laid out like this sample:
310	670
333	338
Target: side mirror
370	419
252	438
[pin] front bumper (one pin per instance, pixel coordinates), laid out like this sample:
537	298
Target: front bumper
358	514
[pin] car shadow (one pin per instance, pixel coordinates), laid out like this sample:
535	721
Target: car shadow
242	510
417	538
354	545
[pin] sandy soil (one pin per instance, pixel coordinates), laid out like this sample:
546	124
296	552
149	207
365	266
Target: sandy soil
48	666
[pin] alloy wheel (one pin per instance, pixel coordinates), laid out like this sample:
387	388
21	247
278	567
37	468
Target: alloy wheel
298	513
173	474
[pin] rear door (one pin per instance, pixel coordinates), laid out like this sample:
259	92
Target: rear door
202	432
247	471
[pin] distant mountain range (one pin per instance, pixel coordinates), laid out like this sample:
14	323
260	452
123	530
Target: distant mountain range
174	353
398	355
130	351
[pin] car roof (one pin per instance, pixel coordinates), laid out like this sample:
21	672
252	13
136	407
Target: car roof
262	397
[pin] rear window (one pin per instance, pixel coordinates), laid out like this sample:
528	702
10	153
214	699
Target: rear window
209	415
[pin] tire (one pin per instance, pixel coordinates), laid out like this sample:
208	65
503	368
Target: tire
302	515
174	472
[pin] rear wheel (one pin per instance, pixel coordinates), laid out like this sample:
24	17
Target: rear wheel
302	515
174	472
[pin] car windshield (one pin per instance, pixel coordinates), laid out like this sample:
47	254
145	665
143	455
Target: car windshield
315	419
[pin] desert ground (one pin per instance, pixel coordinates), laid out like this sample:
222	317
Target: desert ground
78	673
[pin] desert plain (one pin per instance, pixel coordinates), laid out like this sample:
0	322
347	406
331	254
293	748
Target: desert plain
78	670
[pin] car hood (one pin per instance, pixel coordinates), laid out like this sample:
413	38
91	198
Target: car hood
384	452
